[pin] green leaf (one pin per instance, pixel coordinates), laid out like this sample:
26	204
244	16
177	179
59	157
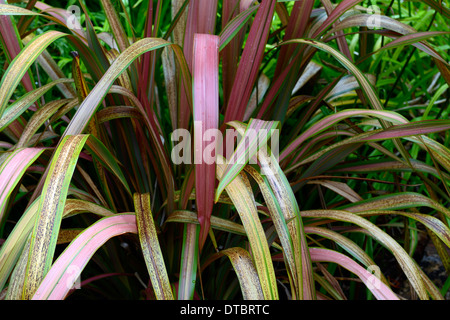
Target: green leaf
98	93
362	80
330	120
185	216
12	248
396	201
38	119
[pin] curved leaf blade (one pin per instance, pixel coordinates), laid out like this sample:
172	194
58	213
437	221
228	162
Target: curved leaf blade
330	120
407	264
12	170
22	62
97	94
189	258
51	207
380	290
66	269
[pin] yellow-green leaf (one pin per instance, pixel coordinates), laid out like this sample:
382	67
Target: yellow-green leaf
151	248
51	207
242	198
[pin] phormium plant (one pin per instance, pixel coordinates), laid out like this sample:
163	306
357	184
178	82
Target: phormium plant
236	149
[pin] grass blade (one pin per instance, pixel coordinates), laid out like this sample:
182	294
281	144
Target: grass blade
285	214
96	96
116	26
296	28
234	26
341	8
328	121
38	119
12	43
107	159
439	7
362	80
281	226
348	245
432	223
409	34
10	10
12	248
201	19
395	202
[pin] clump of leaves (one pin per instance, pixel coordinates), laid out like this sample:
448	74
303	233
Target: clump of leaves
97	178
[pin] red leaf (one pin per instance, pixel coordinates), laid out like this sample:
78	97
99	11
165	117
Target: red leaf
250	63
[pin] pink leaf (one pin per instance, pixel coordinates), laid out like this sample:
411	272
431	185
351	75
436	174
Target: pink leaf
340	9
65	271
201	19
206	116
380	290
